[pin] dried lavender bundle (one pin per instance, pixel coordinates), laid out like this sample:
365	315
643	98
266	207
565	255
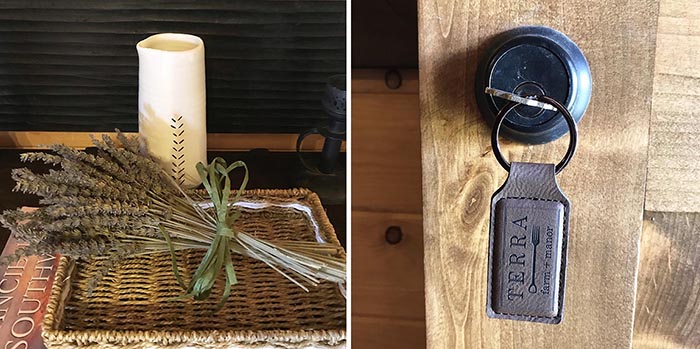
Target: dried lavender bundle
121	203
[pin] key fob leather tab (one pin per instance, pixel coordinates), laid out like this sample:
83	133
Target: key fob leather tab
527	246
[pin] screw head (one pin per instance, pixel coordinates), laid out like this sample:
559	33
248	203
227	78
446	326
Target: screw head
393	235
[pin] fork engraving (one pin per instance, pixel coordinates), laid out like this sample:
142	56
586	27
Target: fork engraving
535	242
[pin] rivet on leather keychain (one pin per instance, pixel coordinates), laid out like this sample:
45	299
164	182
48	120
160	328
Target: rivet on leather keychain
529	230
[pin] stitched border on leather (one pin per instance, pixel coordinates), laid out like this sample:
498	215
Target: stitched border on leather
562	270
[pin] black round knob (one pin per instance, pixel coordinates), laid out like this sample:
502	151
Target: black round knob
393	79
393	235
531	61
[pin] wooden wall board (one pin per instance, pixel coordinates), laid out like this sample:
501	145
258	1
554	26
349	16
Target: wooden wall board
385	143
385	333
387	281
668	297
605	180
388	306
673	181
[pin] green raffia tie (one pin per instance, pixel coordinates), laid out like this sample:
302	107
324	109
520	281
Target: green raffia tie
216	181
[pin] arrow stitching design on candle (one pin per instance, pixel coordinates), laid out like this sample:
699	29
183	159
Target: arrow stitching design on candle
178	147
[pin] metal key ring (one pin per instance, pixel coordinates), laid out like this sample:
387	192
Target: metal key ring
573	132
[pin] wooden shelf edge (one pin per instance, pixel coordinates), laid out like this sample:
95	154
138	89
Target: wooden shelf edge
215	141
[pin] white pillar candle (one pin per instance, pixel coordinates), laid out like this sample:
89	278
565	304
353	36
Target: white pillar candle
172	103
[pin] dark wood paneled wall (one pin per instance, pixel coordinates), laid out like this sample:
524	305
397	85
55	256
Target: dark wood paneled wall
72	65
384	34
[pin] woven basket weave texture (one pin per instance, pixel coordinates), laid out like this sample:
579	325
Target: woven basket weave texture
132	306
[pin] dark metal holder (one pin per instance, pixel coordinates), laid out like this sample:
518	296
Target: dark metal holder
326	175
532	61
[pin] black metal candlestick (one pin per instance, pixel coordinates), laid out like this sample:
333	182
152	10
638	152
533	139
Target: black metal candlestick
326	177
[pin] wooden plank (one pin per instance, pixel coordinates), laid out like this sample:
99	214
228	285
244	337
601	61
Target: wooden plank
605	181
382	270
386	144
387	281
215	141
668	298
668	305
673	182
387	333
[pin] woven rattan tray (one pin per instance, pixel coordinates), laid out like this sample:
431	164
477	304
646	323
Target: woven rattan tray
132	306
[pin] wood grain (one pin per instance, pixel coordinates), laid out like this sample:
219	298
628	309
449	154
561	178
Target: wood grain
388	306
72	65
386	143
668	305
387	282
605	180
389	275
387	333
668	297
673	182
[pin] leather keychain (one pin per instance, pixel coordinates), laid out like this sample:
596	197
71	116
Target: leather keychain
529	231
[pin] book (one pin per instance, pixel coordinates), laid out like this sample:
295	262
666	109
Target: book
25	287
